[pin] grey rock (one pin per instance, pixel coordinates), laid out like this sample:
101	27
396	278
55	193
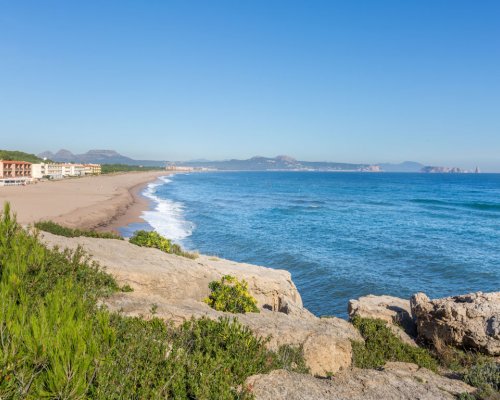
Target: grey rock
470	321
393	310
396	381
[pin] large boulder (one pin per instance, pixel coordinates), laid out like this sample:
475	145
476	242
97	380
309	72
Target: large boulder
396	381
393	310
469	321
174	287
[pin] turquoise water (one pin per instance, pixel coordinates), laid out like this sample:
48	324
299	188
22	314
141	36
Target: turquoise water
342	235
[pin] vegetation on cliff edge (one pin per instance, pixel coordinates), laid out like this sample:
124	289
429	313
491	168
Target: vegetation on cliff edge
155	240
381	346
231	295
56	229
57	342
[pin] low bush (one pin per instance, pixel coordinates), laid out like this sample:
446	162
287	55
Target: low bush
231	295
486	377
155	240
56	229
58	343
114	168
475	368
202	359
381	346
466	396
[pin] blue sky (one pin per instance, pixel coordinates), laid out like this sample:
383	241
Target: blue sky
359	81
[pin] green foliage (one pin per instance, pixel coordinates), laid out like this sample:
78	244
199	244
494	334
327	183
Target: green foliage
176	249
156	241
19	156
381	345
113	168
151	239
126	288
201	359
231	295
52	332
484	376
476	369
56	229
57	343
466	396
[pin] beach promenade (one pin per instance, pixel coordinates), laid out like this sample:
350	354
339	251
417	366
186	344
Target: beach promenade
94	202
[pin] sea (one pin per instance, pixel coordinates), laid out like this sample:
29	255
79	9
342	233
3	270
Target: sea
340	235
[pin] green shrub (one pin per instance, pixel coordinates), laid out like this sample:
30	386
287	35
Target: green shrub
466	396
485	376
231	295
156	241
151	239
126	288
52	331
56	229
114	168
176	249
476	369
202	359
381	345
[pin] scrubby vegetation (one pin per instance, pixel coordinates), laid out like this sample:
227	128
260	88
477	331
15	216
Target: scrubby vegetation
112	168
231	295
155	240
381	346
56	229
19	156
56	342
486	377
476	369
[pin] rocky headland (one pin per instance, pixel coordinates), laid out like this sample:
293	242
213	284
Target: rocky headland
174	287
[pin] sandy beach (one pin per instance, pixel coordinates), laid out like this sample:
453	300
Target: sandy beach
94	202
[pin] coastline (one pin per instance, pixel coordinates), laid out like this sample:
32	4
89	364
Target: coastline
96	202
132	211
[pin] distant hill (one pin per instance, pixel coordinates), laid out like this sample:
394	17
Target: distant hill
98	157
19	156
253	164
407	166
257	163
281	163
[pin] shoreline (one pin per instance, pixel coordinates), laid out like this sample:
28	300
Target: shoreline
132	212
101	202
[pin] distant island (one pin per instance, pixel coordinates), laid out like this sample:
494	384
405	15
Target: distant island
258	163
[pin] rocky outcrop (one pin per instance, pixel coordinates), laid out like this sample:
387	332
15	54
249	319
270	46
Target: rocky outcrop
397	381
176	286
151	272
326	342
395	311
470	321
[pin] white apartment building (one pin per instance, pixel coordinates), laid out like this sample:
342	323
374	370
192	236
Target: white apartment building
57	171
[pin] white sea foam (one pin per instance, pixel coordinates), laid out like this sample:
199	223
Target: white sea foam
167	216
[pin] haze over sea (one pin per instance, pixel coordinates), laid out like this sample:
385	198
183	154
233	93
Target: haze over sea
342	235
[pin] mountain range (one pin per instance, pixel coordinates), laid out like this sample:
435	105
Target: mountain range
257	163
277	163
97	157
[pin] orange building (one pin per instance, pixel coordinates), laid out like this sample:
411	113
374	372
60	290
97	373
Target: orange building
14	172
